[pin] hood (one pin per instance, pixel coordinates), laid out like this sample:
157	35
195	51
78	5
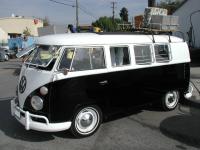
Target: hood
30	79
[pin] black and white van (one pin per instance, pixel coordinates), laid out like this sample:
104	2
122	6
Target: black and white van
71	81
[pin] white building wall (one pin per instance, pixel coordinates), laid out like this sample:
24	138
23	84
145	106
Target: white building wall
19	24
3	37
184	13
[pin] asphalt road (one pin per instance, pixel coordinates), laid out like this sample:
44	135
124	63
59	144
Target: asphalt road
144	129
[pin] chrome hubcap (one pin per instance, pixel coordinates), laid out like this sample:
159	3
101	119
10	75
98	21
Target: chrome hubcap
6	57
171	99
87	120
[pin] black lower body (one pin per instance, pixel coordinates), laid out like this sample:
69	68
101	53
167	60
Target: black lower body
115	89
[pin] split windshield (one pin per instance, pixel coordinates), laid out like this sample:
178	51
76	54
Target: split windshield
42	55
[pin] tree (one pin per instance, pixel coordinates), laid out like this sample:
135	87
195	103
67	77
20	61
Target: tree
124	14
170	5
27	32
106	23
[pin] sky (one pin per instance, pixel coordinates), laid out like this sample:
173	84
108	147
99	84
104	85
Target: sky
58	14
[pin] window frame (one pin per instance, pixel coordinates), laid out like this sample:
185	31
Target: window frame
61	57
151	52
129	53
169	52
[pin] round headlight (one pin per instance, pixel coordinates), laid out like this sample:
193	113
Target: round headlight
37	102
43	90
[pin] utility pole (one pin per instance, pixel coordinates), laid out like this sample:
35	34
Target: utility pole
113	8
77	20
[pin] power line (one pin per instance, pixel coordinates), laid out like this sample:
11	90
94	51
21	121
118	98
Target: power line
71	1
77	5
86	11
77	19
62	3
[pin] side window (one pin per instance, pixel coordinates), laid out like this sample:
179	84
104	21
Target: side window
119	56
81	60
67	58
88	58
161	52
143	54
97	58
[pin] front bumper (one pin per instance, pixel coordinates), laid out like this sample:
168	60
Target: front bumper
188	94
25	118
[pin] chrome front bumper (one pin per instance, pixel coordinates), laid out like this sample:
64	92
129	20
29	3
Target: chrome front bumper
25	118
188	95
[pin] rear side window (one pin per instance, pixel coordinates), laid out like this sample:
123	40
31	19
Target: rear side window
88	59
97	58
161	52
143	54
119	56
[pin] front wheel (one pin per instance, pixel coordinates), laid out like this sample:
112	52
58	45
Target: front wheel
170	100
86	121
6	58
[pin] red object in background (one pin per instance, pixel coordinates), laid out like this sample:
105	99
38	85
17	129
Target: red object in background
35	21
138	21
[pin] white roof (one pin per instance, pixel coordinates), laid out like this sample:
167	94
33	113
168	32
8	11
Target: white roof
99	39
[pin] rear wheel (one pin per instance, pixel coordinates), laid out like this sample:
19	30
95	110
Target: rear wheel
86	121
170	100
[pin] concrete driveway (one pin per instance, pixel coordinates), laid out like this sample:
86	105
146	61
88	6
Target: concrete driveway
143	129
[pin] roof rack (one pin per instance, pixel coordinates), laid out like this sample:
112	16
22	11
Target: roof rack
141	31
120	33
136	32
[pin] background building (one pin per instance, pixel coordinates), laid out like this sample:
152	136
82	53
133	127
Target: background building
189	21
3	37
15	26
52	29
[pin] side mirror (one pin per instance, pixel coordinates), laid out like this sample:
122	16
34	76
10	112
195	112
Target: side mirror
24	58
65	71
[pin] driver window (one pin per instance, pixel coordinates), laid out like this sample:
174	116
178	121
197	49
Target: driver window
67	58
88	59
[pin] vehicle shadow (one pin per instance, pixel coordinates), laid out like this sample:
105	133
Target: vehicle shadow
184	127
17	72
122	113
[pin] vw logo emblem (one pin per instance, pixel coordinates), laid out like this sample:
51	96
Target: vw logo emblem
22	84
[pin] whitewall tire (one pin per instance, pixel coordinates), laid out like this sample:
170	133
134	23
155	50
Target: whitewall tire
6	58
170	100
86	121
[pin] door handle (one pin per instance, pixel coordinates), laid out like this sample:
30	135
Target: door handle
103	82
